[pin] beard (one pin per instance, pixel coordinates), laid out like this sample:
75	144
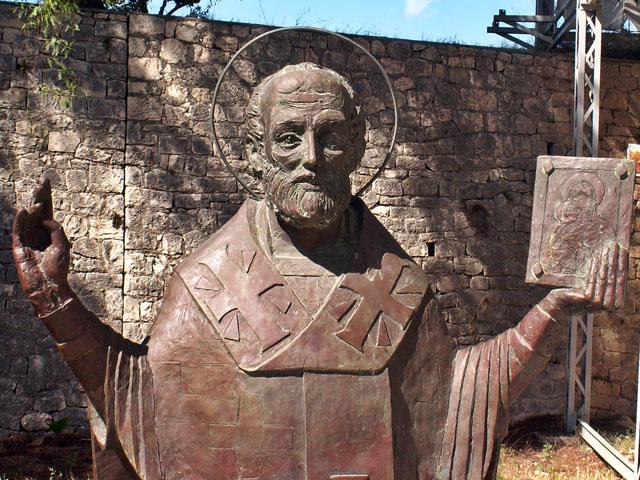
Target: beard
304	199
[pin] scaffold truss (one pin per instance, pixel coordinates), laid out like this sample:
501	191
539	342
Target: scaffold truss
582	22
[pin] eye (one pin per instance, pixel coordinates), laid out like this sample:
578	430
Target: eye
288	140
331	141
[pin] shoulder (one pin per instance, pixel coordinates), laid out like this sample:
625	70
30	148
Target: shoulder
240	226
374	235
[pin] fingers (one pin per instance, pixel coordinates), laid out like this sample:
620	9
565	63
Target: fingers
610	290
42	195
58	237
590	289
18	228
601	281
623	263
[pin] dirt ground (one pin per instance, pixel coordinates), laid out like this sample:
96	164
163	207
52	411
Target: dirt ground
536	450
45	457
540	449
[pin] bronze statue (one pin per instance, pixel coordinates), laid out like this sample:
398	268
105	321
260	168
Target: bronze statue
299	341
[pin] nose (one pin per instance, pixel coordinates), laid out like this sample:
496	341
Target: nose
310	158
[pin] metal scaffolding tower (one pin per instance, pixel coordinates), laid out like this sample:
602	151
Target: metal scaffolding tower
588	53
551	27
586	122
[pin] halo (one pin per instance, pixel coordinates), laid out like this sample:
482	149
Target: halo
591	179
307	29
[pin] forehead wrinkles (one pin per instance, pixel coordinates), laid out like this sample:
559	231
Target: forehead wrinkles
301	90
303	100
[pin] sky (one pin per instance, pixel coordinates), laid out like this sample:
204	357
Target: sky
463	21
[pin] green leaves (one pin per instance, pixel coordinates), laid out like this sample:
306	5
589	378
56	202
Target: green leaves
56	21
59	426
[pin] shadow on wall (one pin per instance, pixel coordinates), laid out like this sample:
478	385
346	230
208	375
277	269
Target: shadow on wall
35	385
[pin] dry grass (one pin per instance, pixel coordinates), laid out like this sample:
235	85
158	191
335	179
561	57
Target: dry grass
559	458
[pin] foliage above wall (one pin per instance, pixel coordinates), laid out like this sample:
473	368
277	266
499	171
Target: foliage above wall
57	20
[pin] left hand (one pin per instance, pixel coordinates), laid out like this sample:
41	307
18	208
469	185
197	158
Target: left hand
604	288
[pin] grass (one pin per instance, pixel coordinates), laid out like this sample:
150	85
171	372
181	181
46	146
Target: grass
541	451
560	458
623	442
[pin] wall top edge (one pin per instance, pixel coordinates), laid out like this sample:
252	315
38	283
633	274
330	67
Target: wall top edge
536	53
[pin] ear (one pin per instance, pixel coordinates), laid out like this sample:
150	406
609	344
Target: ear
358	132
254	152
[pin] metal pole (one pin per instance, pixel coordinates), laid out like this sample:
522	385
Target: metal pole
636	448
586	137
585	413
586	127
571	416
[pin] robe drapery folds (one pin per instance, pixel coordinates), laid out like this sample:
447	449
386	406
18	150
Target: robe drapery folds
485	375
130	413
200	393
116	375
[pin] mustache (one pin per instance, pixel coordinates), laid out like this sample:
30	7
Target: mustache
303	176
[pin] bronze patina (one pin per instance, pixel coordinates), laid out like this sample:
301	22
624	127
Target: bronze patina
299	341
580	207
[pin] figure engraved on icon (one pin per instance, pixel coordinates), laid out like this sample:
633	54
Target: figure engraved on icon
581	208
579	230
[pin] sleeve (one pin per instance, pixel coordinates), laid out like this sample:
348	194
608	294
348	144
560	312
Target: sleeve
116	376
83	341
485	378
128	423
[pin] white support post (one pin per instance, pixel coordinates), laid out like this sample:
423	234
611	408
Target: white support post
580	362
587	78
579	418
586	136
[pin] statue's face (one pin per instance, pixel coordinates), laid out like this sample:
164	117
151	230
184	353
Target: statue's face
306	145
582	196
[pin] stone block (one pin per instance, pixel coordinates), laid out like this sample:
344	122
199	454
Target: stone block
387	187
116	89
172	50
104	179
118	51
437	265
36	422
187	33
106	108
7	62
51	401
228	43
97	51
13	98
92	86
76	180
144	108
173	144
451	283
146	25
479	283
111	29
109	70
420	186
63	141
468	265
145	68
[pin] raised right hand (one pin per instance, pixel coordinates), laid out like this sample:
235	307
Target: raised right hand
41	252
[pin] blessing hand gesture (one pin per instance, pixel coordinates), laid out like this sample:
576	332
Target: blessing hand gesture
41	252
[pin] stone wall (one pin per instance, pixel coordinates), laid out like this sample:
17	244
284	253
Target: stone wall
137	186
